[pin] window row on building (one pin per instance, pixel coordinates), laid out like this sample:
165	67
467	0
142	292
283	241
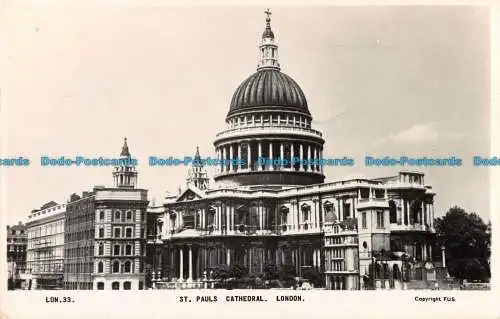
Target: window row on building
121	232
83	251
117	266
115	285
46	229
126	216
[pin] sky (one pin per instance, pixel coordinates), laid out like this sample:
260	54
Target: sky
380	81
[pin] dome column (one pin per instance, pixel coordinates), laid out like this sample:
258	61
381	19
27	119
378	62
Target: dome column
224	158
249	156
271	166
239	156
292	166
231	166
259	155
308	157
301	168
321	158
316	168
218	157
282	155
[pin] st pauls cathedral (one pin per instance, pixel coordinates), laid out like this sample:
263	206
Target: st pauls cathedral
353	234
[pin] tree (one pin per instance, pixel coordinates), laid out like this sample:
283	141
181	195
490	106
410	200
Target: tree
221	272
286	272
238	271
467	241
270	271
314	276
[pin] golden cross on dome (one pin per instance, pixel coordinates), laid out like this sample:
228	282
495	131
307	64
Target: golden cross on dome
268	12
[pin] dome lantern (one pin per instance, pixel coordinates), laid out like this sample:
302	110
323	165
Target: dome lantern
268	50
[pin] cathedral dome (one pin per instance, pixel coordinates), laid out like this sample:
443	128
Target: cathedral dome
266	88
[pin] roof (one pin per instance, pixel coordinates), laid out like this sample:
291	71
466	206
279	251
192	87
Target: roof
269	87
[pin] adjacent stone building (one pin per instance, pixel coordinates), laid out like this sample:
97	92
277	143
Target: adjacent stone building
105	234
45	255
17	241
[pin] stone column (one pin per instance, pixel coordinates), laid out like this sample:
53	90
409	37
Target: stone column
321	158
228	217
422	217
260	154
308	157
228	257
219	219
249	155
239	156
190	263
282	155
341	209
292	151
408	212
271	156
315	166
203	218
218	157
443	255
224	166
231	167
432	215
181	264
301	154
261	213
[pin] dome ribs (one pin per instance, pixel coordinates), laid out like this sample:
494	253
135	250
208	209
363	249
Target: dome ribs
269	87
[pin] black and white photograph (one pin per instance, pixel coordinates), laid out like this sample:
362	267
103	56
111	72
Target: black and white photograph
256	155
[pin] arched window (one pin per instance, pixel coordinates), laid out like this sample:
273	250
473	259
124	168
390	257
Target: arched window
115	285
127	285
415	212
284	215
393	215
116	267
100	267
330	216
127	266
117	215
100	286
101	249
129	215
305	212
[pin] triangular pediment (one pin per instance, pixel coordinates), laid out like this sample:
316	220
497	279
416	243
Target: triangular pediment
189	194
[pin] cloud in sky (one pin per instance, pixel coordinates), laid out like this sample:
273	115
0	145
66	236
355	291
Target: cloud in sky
419	133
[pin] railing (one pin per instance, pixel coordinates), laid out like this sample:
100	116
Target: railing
266	127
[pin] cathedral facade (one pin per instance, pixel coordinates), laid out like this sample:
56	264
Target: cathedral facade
270	205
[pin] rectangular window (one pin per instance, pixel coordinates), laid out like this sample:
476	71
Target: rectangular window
128	233
347	210
380	219
101	232
116	250
128	250
117	232
363	220
101	215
